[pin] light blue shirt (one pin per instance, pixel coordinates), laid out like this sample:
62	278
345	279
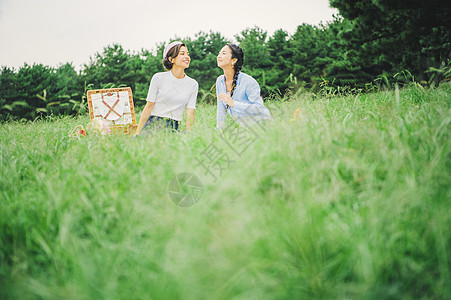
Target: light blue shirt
248	104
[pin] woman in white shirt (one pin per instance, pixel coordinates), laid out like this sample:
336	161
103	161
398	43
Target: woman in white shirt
170	92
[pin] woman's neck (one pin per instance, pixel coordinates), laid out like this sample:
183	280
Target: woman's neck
229	73
178	73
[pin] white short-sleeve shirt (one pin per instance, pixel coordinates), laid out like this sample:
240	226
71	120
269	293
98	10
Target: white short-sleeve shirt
171	95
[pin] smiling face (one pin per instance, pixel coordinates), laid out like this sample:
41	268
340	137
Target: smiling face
224	58
182	59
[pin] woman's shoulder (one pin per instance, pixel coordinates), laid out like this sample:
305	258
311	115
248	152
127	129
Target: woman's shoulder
220	78
164	73
191	80
160	74
247	78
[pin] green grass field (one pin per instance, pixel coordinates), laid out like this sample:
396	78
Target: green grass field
350	201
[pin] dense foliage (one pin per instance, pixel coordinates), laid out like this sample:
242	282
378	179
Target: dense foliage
371	42
386	36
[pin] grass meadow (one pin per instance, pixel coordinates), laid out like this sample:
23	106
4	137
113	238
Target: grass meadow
351	200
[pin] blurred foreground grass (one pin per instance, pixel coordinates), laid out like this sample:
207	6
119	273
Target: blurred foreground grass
351	200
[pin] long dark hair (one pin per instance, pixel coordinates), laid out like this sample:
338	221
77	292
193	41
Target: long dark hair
237	53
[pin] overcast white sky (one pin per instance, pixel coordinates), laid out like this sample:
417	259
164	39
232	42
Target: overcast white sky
52	32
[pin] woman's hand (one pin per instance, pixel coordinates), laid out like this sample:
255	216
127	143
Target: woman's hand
226	98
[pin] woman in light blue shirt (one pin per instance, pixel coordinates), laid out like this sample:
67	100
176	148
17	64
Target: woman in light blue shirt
238	93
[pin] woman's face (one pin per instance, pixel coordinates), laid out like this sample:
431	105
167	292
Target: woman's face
224	58
183	59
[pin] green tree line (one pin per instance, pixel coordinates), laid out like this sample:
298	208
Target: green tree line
369	42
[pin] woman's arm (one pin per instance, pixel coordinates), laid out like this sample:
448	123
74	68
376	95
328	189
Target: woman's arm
252	92
247	111
221	110
221	114
191	106
151	98
189	118
144	116
255	107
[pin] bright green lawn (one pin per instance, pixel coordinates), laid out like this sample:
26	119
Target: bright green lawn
350	201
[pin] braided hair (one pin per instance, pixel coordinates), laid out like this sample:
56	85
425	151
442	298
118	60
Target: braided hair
237	53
